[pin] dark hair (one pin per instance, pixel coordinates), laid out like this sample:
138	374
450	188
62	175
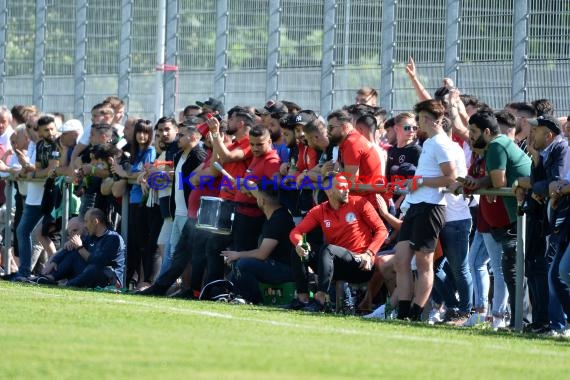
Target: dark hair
314	126
431	106
543	107
527	108
292	107
369	121
166	119
245	116
506	118
99	215
269	190
341	115
143	126
105	151
45	120
485	120
390	123
258	131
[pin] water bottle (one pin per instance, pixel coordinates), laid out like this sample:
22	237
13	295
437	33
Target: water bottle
305	245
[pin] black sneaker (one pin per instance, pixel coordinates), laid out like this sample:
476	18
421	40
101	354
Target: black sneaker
295	304
314	306
186	294
537	328
152	290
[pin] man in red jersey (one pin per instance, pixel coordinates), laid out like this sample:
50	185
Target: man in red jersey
353	231
358	157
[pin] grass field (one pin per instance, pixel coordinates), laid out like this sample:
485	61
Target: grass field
52	333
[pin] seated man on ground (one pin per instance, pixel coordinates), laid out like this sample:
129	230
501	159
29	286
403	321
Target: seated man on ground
270	262
354	233
97	259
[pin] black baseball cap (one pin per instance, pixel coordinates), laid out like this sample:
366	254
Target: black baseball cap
213	105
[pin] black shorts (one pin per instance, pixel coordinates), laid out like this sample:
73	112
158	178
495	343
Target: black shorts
422	225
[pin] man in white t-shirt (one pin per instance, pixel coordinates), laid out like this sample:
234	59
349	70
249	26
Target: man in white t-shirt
425	218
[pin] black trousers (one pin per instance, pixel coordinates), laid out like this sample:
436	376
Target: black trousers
338	263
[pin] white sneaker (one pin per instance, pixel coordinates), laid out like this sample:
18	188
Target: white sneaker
498	323
379	313
475	319
435	316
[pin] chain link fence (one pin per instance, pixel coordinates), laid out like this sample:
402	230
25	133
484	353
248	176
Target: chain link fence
66	56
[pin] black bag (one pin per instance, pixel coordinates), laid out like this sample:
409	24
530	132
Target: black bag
218	290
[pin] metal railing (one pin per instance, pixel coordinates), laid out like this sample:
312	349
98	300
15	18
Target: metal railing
503	192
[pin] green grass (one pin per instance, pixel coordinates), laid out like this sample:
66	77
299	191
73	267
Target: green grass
58	334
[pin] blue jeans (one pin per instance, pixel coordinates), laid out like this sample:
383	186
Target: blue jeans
559	291
500	293
248	273
455	244
478	260
444	290
564	267
30	217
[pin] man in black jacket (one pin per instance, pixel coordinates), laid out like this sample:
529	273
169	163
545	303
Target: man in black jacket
547	166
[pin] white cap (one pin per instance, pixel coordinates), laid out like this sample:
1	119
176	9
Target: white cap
72	125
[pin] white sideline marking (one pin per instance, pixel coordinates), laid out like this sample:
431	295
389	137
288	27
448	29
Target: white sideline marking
494	344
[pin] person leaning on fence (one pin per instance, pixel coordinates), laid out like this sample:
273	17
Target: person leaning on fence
353	232
425	218
552	148
270	261
47	158
504	163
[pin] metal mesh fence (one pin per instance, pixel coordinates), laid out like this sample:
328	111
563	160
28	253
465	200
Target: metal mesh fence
301	50
235	64
549	53
19	47
196	46
247	52
420	33
358	45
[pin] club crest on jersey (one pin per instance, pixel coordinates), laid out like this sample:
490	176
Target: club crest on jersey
327	223
350	217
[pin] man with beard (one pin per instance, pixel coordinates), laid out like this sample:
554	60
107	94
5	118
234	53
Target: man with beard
505	162
276	135
353	231
47	159
359	160
235	159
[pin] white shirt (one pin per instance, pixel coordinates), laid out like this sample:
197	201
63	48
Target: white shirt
457	206
181	209
435	151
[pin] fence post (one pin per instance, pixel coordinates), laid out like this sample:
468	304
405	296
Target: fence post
519	265
221	52
520	27
273	43
327	65
452	40
65	209
80	60
39	54
170	69
125	51
387	54
125	230
3	36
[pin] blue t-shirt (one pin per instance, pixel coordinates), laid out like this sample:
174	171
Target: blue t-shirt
141	160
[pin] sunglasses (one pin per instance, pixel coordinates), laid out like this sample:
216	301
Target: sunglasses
408	127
